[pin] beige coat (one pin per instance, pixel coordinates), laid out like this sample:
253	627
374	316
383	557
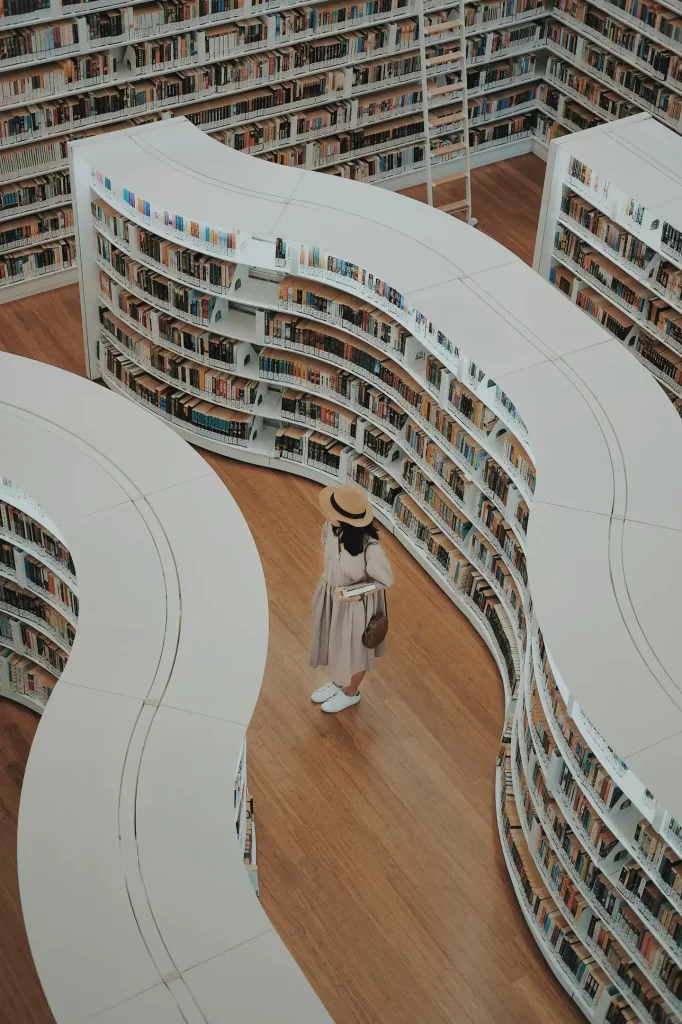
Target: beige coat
338	625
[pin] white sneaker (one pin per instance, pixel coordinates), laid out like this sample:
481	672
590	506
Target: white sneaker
323	693
339	702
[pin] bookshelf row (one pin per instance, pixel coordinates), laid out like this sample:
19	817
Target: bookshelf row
87	74
245	821
592	859
42	242
306	375
144	279
614	255
355	56
390	29
38	600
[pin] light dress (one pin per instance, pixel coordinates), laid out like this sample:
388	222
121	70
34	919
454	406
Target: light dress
338	625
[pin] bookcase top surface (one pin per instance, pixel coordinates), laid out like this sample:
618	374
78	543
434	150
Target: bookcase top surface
603	434
640	156
128	790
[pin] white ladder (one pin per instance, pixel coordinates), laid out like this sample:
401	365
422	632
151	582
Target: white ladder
458	119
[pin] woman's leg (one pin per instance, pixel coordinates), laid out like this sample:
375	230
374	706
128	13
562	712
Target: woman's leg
355	681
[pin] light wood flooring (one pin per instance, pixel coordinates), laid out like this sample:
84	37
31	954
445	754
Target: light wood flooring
379	858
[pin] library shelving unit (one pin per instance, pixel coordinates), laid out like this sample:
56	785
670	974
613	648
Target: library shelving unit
610	237
38	600
136	828
330	330
607	59
323	84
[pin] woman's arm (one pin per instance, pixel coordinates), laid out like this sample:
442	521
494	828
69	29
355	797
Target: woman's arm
378	568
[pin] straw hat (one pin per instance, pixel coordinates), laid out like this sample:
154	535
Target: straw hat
346	503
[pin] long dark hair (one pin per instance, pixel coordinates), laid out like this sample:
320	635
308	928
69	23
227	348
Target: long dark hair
354	538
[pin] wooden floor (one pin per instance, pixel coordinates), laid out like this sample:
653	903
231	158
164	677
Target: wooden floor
379	859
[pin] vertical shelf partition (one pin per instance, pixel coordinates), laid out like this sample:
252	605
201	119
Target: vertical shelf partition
276	350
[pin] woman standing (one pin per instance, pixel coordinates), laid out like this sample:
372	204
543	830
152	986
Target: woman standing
352	554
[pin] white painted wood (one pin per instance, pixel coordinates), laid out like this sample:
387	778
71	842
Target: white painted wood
283	998
155	1006
517	290
117	436
84	939
571	583
199	892
122	627
235	621
562	430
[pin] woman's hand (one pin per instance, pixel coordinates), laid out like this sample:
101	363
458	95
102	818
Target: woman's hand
340	596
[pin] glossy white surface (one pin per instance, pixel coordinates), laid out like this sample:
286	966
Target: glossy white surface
129	863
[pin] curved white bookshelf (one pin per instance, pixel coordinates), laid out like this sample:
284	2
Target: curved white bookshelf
459	309
152	852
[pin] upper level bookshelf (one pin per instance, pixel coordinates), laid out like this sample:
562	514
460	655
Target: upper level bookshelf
324	85
494	427
331	86
610	237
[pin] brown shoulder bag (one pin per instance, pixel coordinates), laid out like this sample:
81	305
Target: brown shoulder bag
377	627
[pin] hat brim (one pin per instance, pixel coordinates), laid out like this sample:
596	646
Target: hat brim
330	512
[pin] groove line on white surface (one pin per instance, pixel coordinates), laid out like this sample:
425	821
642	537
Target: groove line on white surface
622	596
128	836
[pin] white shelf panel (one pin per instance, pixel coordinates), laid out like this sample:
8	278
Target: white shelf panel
58	806
202	900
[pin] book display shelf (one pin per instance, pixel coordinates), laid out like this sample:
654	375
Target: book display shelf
38	600
322	328
136	792
610	237
352	90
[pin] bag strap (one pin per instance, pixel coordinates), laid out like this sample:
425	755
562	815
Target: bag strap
367	574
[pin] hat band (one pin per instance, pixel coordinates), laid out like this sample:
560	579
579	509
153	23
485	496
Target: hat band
342	511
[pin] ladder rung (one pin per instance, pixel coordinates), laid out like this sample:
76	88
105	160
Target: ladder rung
449	119
443	58
456	147
457	176
440	90
444	26
457	207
